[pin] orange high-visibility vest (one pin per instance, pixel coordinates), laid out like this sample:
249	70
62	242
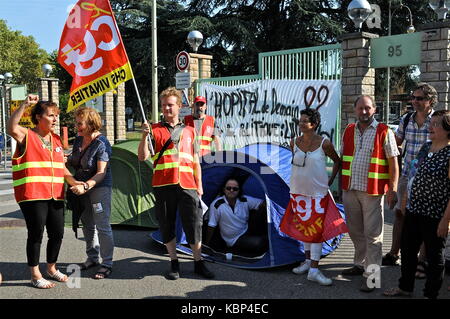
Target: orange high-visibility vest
176	165
378	177
205	135
38	174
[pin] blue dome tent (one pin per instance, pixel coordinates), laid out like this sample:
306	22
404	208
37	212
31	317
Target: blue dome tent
265	170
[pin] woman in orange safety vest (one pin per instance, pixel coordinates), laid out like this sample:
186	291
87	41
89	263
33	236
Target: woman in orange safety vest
38	180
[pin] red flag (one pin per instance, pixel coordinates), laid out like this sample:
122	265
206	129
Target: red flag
91	50
312	219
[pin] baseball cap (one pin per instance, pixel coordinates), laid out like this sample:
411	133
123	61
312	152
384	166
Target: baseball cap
200	99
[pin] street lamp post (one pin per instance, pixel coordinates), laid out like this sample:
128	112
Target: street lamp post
5	78
410	29
155	99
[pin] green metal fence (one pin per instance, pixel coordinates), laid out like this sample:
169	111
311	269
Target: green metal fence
315	63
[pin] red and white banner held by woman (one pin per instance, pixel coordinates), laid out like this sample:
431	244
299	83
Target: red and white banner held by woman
92	51
312	219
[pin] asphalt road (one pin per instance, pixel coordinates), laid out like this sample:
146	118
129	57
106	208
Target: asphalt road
140	263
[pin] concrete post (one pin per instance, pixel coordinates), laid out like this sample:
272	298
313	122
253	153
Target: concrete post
48	90
435	65
200	68
357	77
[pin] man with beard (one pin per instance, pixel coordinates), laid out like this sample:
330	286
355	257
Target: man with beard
204	127
369	171
413	130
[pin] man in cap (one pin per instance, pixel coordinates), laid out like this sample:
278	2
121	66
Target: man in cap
204	126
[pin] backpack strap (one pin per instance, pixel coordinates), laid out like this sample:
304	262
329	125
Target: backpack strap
405	125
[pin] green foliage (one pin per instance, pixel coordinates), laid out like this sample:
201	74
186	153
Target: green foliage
21	56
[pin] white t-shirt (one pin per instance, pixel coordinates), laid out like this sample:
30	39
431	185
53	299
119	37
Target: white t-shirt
232	224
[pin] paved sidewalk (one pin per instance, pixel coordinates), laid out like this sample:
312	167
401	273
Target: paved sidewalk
140	263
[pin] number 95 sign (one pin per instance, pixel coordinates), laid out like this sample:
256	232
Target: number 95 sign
396	50
182	61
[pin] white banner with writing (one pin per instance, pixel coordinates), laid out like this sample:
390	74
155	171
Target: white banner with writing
269	110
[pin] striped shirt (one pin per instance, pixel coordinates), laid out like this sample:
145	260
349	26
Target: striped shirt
363	153
414	137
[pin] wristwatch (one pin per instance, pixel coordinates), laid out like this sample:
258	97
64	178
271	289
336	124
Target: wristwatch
86	186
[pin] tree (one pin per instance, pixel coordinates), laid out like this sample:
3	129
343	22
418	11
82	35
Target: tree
236	31
21	56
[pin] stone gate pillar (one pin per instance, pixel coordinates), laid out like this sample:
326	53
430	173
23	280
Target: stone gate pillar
357	77
113	115
200	68
48	90
435	64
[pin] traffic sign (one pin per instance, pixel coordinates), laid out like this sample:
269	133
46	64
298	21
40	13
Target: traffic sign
182	61
183	80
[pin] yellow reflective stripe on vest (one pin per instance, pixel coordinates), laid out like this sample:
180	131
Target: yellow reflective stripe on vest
379	175
160	167
205	147
166	152
346	172
22	166
347	158
186	169
186	156
38	179
378	161
204	138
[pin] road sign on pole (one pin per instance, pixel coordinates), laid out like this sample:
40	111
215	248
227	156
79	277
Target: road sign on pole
183	80
182	61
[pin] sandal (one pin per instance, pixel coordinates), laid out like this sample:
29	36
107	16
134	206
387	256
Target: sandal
88	264
396	292
42	283
102	273
421	270
58	276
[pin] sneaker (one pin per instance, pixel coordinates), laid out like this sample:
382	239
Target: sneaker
318	277
353	271
390	260
200	269
303	268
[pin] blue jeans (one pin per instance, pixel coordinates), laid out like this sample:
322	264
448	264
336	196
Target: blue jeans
96	226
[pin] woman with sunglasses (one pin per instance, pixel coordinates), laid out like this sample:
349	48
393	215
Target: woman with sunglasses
309	178
427	214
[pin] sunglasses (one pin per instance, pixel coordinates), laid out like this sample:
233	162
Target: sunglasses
418	98
234	189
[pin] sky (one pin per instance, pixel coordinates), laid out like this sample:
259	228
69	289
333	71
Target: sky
42	19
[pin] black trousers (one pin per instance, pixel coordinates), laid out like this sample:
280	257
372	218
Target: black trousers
40	213
418	229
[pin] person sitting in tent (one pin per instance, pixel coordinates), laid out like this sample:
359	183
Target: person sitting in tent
231	214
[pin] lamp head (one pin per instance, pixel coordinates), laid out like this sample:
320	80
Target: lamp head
195	39
47	69
359	11
441	7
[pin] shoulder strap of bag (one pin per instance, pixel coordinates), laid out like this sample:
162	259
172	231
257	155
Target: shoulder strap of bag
174	137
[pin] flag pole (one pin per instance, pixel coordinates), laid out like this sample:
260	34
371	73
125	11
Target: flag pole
150	145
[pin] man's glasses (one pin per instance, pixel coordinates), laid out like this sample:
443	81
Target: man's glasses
234	189
200	103
418	98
